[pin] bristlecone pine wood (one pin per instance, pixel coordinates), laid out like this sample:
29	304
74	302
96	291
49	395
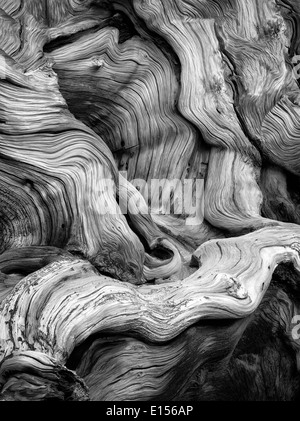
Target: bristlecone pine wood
99	304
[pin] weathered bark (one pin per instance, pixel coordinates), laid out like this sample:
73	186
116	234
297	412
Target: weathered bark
97	303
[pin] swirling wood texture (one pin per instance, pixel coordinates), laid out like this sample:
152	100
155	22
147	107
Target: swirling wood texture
149	199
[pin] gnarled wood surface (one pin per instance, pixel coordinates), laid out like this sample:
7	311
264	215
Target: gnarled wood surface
98	99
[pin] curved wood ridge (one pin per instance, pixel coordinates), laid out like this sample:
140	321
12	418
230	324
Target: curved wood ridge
119	280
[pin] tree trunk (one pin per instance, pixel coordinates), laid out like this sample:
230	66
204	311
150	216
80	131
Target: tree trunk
149	200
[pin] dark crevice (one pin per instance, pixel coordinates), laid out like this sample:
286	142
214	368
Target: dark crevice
118	20
62	41
162	253
287	278
138	234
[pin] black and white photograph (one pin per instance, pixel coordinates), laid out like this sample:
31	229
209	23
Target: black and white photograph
149	204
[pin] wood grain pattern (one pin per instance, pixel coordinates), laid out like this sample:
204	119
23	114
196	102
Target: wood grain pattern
98	99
